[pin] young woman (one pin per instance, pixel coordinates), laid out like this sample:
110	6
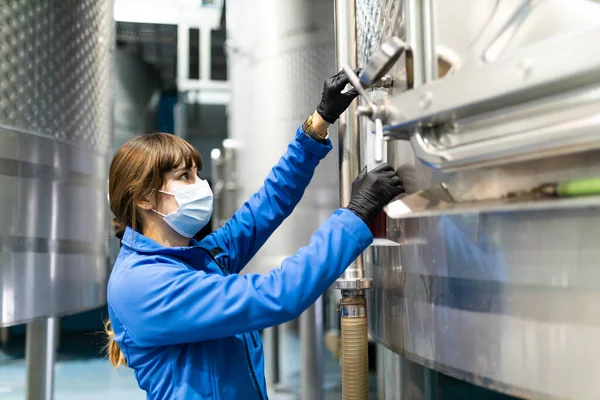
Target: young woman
180	315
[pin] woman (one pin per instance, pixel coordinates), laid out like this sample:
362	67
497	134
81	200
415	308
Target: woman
183	318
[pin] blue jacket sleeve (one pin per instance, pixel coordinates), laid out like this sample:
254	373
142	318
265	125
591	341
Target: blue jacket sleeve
250	227
162	304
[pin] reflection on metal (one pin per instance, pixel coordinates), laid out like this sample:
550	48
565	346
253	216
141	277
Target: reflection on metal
482	299
55	136
276	73
509	30
485	291
502	92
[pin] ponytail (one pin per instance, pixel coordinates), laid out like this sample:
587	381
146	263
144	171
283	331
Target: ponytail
115	355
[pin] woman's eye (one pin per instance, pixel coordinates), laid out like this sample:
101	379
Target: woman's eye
184	176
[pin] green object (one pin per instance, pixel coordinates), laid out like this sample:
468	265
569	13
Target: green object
579	187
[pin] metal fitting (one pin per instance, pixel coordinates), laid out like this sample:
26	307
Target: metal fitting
366	111
387	81
353	284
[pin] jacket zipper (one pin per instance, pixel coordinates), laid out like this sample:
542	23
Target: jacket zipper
252	374
212	257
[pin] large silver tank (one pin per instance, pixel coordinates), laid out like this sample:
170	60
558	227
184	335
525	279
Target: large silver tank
280	53
501	295
55	134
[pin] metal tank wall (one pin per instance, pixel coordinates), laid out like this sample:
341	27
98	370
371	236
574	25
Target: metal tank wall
55	134
280	53
497	294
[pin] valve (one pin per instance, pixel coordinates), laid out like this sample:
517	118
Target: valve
374	73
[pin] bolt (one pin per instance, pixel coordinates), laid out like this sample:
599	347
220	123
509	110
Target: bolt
385	82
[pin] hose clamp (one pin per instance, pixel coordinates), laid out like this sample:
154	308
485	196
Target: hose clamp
353	311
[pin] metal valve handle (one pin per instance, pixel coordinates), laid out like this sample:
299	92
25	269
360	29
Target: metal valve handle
381	62
355	81
371	111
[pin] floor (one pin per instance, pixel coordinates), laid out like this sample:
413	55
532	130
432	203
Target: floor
81	373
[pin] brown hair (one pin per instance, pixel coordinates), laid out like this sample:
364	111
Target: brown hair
137	170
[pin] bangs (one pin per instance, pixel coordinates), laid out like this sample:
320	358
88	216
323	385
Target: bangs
174	152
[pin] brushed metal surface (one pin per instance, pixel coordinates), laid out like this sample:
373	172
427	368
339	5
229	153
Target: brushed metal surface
504	300
277	72
55	134
281	52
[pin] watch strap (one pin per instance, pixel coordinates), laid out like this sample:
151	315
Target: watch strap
310	131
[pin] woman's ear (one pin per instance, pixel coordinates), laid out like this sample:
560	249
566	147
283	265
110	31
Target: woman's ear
144	203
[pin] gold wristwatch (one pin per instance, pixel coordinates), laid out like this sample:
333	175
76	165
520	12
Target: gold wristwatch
307	127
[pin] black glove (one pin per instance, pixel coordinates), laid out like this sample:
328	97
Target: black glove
333	101
372	191
408	176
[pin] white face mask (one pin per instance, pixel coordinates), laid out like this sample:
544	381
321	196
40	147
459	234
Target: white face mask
194	211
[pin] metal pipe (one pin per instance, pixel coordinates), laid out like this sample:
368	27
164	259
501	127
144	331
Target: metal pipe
311	348
348	126
415	40
429	42
40	351
349	138
354	330
381	372
271	346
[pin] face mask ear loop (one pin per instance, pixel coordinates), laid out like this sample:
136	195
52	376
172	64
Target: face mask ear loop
159	213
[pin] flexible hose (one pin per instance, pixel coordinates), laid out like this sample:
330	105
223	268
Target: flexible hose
355	357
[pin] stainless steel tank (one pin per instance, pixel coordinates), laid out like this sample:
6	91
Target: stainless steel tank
495	292
55	134
280	53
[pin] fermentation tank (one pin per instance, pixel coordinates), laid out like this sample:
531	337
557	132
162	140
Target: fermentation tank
55	134
280	53
490	98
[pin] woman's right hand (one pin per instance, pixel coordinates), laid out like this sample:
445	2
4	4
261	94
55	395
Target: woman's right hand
373	190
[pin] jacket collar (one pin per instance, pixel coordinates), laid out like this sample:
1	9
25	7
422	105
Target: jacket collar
142	244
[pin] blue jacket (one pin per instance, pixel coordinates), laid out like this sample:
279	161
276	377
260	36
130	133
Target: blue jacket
187	322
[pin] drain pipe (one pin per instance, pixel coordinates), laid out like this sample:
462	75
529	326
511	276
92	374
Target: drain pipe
354	330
